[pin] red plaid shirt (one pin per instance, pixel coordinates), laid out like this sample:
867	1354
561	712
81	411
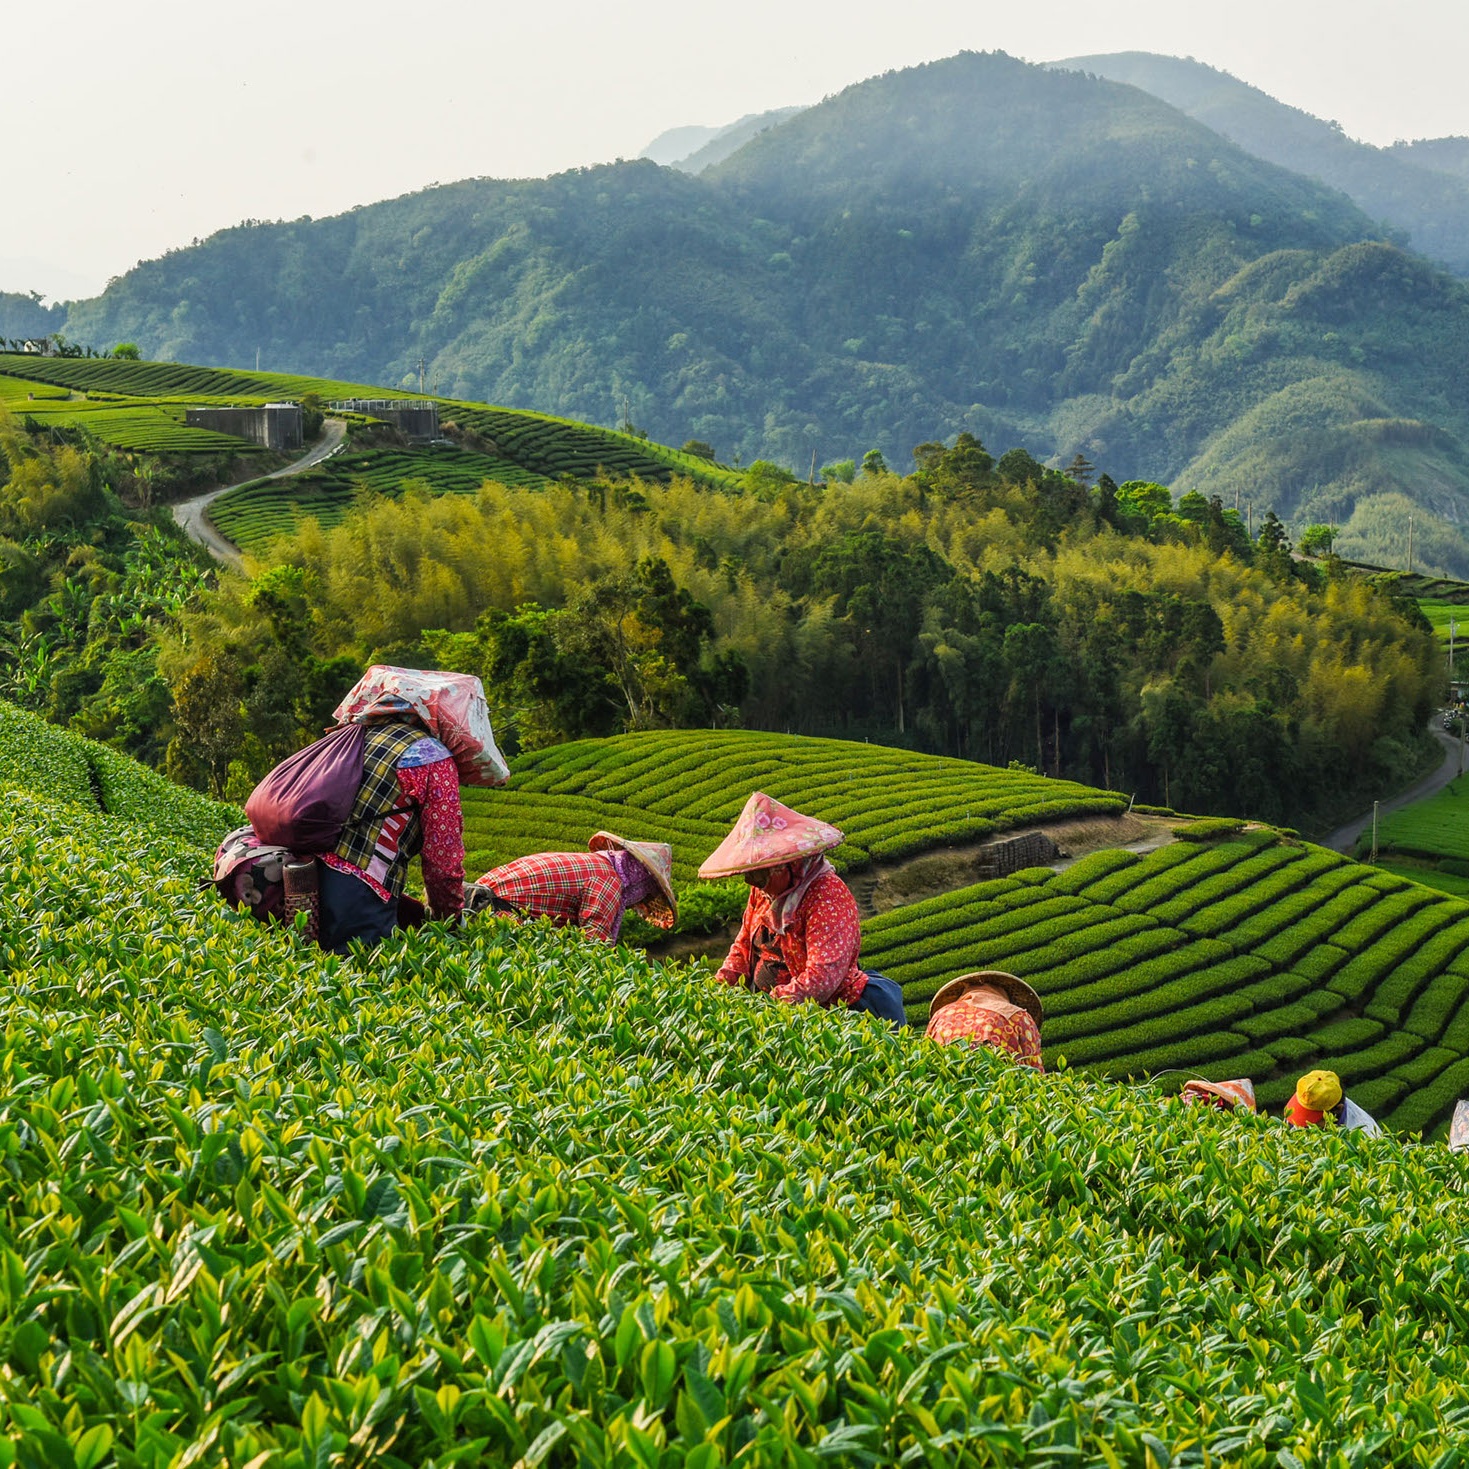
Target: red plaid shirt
567	887
819	947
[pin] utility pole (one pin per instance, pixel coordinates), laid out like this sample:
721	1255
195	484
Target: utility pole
811	478
626	417
1453	627
1410	545
1373	857
420	377
1250	511
1236	499
1462	723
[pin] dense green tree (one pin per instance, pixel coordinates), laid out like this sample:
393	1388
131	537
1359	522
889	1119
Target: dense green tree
1317	540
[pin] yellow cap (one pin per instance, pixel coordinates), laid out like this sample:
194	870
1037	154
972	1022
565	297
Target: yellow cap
1319	1090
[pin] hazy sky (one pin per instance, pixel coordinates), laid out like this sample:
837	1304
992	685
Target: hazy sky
135	128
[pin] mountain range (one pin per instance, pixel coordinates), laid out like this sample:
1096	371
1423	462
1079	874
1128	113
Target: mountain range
1046	257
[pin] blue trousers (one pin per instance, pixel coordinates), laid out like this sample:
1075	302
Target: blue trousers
882	997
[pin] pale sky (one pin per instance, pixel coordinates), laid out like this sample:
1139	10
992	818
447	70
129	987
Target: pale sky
132	129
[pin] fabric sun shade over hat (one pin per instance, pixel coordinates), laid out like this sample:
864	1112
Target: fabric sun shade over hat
1226	1094
766	835
1014	989
657	857
450	706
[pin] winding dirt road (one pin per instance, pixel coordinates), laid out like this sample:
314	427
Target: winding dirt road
193	514
1344	838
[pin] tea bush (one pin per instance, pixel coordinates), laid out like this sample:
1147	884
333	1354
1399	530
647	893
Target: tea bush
503	1196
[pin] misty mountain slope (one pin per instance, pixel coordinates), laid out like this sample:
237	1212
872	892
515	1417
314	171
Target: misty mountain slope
1442	155
719	142
1398	186
1036	256
674	144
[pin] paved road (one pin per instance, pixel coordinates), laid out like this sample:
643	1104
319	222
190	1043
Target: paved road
1344	838
193	514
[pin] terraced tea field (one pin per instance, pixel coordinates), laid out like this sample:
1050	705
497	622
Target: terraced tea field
1428	841
501	1196
253	515
145	428
1258	956
533	443
687	787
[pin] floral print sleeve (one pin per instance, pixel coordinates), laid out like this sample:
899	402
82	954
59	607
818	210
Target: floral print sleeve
833	939
434	788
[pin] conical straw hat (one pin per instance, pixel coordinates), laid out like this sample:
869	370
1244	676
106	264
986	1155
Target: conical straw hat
1015	989
657	857
766	835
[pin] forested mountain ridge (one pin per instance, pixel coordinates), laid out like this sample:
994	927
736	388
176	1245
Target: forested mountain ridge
1034	256
1419	189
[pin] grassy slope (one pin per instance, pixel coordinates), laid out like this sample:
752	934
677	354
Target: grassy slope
504	1194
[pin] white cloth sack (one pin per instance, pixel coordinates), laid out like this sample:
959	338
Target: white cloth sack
450	706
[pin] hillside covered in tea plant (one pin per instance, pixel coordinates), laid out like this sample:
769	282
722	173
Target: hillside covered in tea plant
975	245
503	1195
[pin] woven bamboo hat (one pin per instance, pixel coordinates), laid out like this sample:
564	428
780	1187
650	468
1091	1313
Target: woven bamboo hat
766	835
1014	989
657	857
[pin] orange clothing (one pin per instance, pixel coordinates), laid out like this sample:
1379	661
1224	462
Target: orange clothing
982	1018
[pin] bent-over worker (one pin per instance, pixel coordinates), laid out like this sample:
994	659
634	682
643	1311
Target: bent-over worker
424	732
1318	1095
989	1008
801	931
1226	1095
591	890
427	731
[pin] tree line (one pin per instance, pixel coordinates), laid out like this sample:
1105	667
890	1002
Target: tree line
998	611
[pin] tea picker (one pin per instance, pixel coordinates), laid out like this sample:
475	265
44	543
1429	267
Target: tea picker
334	826
801	931
992	1009
591	890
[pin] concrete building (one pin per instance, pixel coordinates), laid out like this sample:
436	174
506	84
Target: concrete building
274	426
412	417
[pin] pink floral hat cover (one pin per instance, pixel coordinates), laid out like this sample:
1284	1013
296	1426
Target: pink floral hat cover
766	835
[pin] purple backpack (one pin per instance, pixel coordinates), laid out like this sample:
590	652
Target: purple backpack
304	803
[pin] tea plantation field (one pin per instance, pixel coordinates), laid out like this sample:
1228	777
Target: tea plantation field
144	393
1429	840
499	1196
254	514
687	786
1258	956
